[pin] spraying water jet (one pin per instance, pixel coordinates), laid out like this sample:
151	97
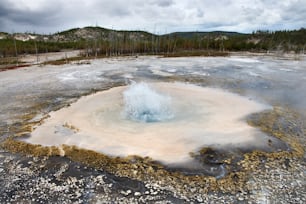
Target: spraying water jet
144	104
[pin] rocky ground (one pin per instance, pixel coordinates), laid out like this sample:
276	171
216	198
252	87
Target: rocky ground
59	180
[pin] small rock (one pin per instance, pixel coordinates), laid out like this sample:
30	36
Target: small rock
126	193
193	190
137	194
240	198
154	193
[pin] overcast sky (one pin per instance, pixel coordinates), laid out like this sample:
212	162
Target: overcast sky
159	16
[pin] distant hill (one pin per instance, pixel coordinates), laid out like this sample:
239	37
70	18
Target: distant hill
76	34
203	34
97	33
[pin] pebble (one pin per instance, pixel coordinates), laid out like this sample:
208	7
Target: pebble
240	198
154	193
200	200
137	194
126	193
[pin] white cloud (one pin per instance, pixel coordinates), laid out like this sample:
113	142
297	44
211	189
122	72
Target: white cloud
152	15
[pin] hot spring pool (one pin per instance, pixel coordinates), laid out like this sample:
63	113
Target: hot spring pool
164	121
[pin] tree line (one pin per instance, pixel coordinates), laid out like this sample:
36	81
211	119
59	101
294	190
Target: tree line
116	43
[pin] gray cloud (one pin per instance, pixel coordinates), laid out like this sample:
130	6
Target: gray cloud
161	16
295	12
163	3
23	18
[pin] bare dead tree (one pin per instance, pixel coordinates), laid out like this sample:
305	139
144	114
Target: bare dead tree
16	52
36	52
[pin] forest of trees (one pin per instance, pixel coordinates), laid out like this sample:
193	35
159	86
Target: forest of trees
103	42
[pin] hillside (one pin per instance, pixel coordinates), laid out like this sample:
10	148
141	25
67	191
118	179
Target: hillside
189	35
101	41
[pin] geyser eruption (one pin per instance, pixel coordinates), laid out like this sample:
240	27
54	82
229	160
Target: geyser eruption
143	104
164	121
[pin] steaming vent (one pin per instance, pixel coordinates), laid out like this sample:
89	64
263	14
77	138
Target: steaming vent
144	104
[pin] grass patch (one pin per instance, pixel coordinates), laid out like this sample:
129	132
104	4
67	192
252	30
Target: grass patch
7	63
69	60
